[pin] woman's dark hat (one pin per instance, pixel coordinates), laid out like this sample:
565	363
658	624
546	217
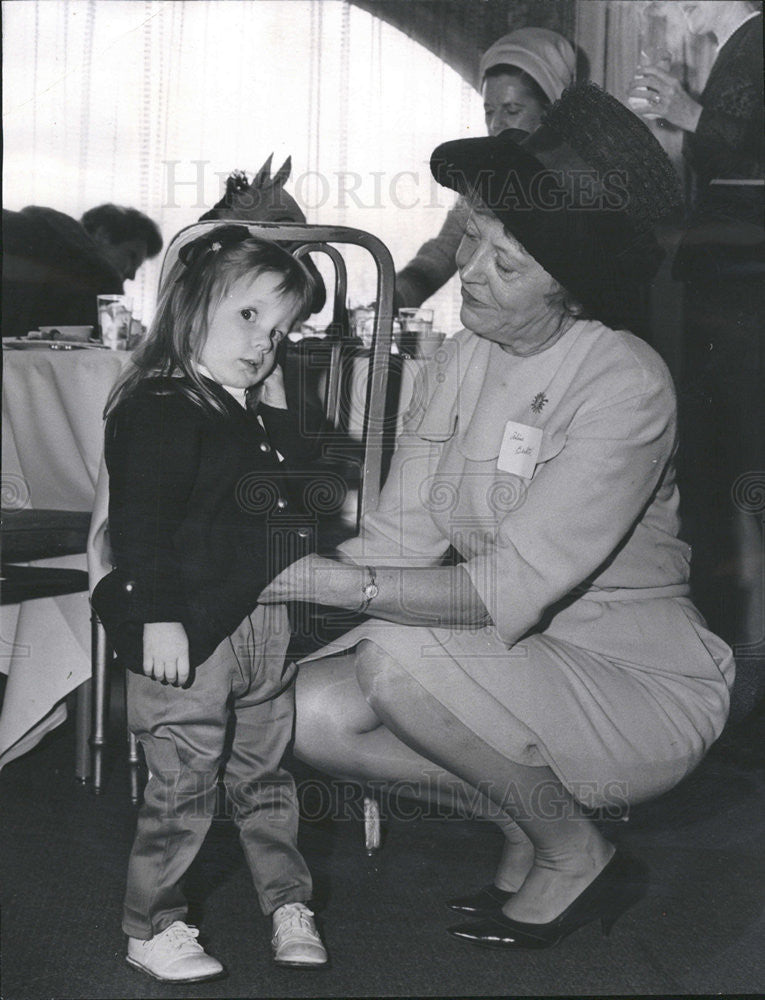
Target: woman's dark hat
582	194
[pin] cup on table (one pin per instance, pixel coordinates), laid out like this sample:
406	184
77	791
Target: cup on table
363	324
415	338
115	314
80	334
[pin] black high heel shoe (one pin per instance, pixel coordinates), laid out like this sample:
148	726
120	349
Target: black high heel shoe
620	885
488	900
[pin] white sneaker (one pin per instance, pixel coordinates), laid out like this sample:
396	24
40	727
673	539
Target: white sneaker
174	955
296	941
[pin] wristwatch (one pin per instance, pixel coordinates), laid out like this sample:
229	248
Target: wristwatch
370	591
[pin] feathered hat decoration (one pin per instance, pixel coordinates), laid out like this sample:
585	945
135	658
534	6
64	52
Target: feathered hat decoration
263	199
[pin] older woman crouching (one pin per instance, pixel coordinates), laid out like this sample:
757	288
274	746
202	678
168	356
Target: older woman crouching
560	665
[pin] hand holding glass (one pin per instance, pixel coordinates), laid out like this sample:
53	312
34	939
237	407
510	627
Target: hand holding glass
653	53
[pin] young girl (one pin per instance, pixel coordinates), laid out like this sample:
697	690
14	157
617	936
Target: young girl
195	434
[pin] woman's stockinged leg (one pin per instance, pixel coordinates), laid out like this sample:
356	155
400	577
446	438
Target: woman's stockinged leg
569	851
338	732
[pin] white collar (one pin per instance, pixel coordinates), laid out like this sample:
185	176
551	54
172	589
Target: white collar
239	395
232	390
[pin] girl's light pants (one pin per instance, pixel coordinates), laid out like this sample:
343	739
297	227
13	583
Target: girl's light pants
244	685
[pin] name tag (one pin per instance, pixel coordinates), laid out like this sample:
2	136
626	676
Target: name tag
520	449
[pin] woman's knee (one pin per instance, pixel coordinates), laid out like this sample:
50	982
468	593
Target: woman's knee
382	680
313	701
329	707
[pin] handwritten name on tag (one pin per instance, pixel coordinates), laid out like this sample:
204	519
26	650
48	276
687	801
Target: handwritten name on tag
520	449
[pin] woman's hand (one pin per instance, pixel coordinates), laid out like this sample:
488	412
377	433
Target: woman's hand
166	652
436	596
317	580
665	98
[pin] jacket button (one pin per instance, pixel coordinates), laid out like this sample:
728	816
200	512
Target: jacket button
129	587
264	447
281	503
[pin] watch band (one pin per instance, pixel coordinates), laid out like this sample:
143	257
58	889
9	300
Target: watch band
369	591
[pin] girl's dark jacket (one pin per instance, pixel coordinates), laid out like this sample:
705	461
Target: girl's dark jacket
202	514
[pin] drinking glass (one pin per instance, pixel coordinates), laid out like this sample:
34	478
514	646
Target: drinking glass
653	52
115	313
416	330
363	324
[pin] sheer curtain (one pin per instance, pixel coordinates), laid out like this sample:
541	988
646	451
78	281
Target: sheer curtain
151	104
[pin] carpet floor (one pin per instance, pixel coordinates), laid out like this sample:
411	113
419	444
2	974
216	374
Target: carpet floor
698	931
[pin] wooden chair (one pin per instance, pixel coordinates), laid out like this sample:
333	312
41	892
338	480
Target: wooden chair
339	351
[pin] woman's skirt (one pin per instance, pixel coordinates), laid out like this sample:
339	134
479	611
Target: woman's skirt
621	699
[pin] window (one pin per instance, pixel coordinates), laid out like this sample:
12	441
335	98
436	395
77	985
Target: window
152	104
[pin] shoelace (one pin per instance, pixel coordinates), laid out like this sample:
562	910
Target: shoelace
179	935
295	916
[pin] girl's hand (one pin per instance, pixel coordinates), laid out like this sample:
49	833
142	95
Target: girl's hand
166	652
666	98
272	390
317	580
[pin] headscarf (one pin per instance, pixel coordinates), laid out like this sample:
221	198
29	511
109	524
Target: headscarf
545	55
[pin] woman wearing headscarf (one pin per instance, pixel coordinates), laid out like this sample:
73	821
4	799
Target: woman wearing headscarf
521	75
559	664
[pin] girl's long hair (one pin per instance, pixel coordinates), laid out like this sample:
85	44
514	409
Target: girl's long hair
189	296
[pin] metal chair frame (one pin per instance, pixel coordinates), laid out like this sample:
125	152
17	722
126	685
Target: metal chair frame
311	239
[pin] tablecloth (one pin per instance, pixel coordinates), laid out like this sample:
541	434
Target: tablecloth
52	439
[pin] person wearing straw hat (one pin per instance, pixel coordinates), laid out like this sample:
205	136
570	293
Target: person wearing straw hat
521	75
557	664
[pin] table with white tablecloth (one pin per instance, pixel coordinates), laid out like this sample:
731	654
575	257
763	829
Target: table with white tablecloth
52	439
